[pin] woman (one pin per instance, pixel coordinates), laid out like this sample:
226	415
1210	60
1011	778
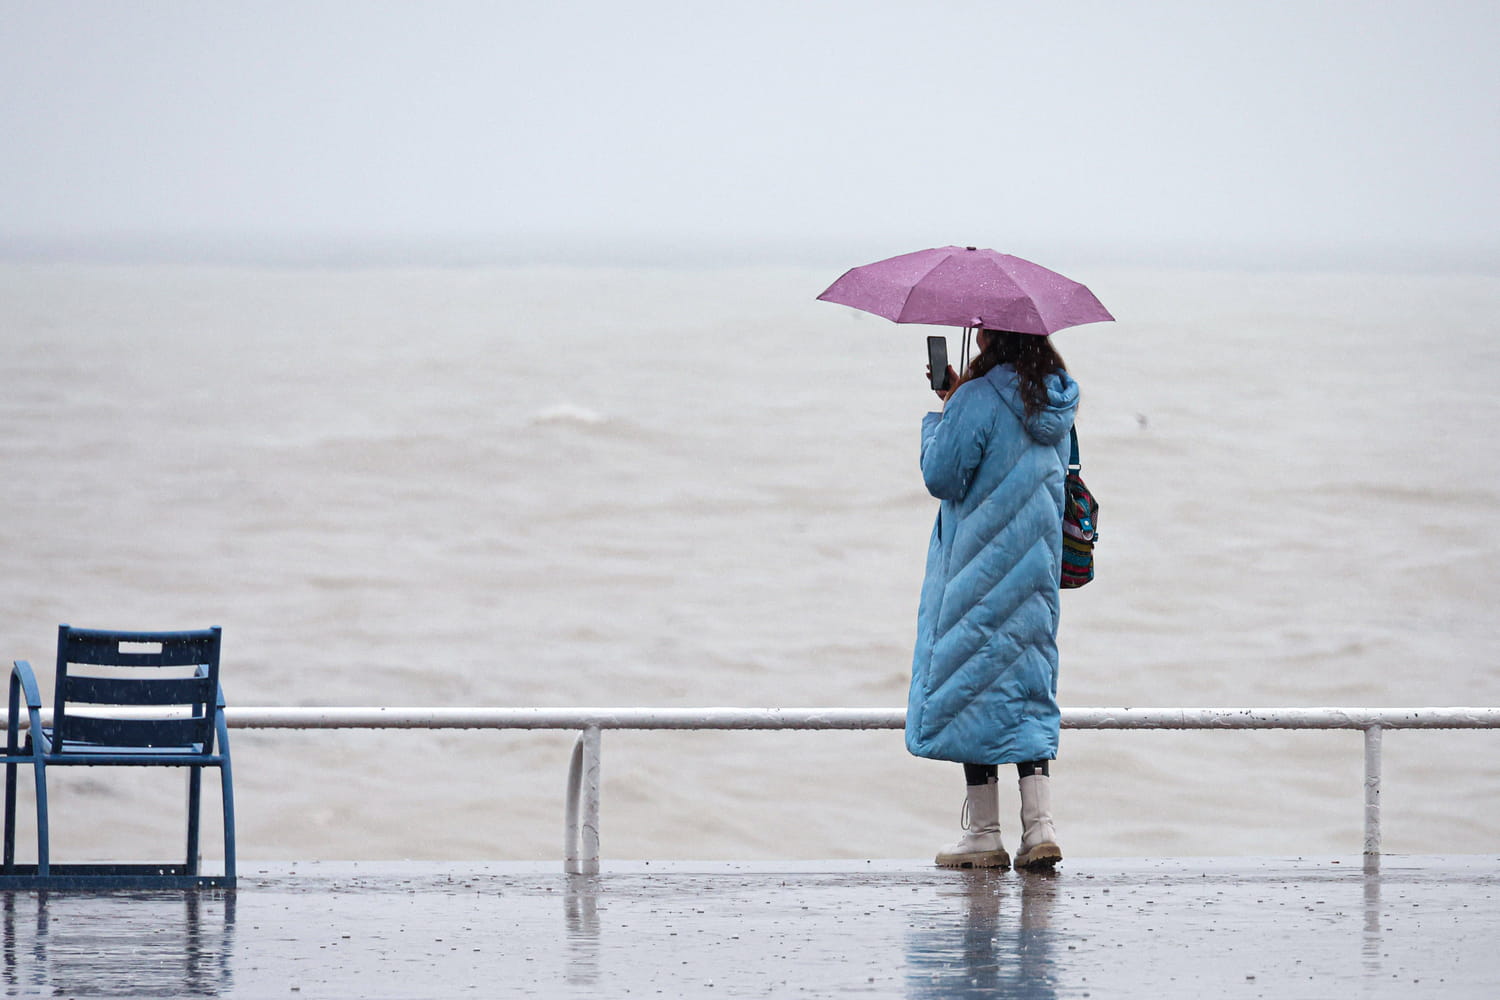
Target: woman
984	674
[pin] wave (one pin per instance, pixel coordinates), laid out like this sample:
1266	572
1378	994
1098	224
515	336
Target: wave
569	414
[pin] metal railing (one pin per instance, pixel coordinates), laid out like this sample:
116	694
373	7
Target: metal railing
581	820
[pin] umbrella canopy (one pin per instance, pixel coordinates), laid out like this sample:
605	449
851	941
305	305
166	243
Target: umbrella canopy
966	286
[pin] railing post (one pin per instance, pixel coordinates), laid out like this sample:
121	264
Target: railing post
1372	790
581	810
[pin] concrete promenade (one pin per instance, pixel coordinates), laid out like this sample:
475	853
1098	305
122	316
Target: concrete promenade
1327	927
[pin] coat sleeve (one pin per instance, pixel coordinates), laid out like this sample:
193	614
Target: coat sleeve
953	443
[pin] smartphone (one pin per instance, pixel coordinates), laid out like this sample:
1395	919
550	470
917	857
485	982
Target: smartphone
937	362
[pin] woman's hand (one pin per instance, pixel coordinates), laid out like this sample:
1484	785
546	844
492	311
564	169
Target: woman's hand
952	383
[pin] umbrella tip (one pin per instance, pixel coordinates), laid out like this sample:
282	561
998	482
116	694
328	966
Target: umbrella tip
971	248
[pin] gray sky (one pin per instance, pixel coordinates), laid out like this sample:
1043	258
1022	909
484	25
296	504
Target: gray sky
1322	133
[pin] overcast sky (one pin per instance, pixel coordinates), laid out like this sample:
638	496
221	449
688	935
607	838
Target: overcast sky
1323	133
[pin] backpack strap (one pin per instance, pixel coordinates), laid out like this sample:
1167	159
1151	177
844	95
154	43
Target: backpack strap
1073	465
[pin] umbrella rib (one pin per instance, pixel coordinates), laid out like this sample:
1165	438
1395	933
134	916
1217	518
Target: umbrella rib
906	299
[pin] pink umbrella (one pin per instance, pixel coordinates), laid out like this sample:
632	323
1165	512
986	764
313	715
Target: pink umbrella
968	287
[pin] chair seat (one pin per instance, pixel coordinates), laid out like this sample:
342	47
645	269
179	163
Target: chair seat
125	757
75	749
88	753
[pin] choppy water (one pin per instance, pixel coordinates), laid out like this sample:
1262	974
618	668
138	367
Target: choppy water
616	487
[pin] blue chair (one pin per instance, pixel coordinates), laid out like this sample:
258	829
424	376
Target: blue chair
132	699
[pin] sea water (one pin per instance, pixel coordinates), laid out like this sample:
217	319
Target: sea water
579	487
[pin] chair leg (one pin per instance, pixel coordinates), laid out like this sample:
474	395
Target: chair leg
43	835
226	780
195	799
226	793
12	750
10	816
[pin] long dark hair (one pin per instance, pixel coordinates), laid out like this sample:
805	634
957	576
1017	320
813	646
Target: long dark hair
1032	356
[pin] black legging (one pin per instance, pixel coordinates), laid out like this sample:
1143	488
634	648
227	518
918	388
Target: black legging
980	774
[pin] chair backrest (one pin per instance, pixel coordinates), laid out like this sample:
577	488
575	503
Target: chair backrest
177	672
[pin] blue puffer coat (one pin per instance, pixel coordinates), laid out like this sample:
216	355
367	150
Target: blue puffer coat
984	675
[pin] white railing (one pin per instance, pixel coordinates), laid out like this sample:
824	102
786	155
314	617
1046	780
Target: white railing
581	823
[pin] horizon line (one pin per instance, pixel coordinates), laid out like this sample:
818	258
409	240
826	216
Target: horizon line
353	252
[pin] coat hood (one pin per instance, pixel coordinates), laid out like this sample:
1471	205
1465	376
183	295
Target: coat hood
1051	423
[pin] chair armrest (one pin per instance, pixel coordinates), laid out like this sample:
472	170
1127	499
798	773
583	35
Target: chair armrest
21	671
23	681
221	725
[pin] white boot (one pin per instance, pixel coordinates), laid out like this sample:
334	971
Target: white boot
1038	840
980	846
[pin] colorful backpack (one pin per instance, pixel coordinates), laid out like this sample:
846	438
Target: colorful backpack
1080	525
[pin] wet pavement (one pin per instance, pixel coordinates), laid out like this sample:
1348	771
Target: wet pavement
1187	927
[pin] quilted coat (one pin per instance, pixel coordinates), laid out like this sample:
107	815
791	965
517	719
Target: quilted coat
984	674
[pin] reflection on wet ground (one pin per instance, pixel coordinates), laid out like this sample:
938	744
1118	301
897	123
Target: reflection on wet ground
117	944
1097	928
990	935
